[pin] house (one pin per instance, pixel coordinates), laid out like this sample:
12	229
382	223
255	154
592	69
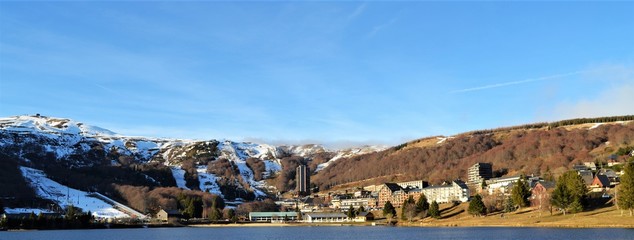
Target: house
318	217
579	167
600	181
590	165
273	216
541	192
612	176
364	217
587	176
168	215
502	184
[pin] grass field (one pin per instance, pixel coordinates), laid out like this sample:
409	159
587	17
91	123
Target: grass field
528	217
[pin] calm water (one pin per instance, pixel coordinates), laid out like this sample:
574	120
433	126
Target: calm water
330	233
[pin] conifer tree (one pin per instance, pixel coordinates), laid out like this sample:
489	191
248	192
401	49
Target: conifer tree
350	212
422	205
625	194
389	211
570	188
476	206
521	192
434	210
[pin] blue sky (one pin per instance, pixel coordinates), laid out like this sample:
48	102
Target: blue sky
338	73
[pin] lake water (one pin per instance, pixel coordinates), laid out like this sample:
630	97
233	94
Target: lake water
330	233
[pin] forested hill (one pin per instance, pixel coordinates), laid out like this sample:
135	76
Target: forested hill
540	149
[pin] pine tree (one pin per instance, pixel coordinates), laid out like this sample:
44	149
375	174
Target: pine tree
476	206
570	188
350	212
576	206
434	210
561	196
361	209
1	207
521	192
422	205
389	211
625	195
408	208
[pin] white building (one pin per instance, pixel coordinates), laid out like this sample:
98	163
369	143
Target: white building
326	217
456	192
501	184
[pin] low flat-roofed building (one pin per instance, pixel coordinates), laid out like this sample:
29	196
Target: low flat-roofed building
326	217
273	216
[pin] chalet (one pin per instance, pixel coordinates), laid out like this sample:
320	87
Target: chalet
612	176
364	217
168	215
273	216
600	181
318	217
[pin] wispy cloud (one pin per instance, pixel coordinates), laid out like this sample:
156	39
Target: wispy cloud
497	85
380	27
357	11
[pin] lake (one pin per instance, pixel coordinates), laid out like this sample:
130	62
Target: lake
330	233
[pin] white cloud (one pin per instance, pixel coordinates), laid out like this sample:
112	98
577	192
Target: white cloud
614	101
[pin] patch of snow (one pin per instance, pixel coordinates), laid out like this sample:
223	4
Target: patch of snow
208	181
272	166
349	153
65	196
596	125
179	176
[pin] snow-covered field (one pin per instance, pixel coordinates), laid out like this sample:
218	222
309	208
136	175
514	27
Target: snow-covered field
65	196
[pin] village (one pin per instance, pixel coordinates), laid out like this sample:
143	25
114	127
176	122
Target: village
378	204
367	204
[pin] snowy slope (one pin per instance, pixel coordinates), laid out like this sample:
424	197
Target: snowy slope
75	144
179	176
65	196
351	152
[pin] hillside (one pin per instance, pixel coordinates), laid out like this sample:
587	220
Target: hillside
541	149
146	173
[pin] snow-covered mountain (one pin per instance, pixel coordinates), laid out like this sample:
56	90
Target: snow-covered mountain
39	142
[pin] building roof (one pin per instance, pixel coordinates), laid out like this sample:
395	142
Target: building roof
327	215
546	184
393	187
461	184
603	180
587	176
172	212
365	214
